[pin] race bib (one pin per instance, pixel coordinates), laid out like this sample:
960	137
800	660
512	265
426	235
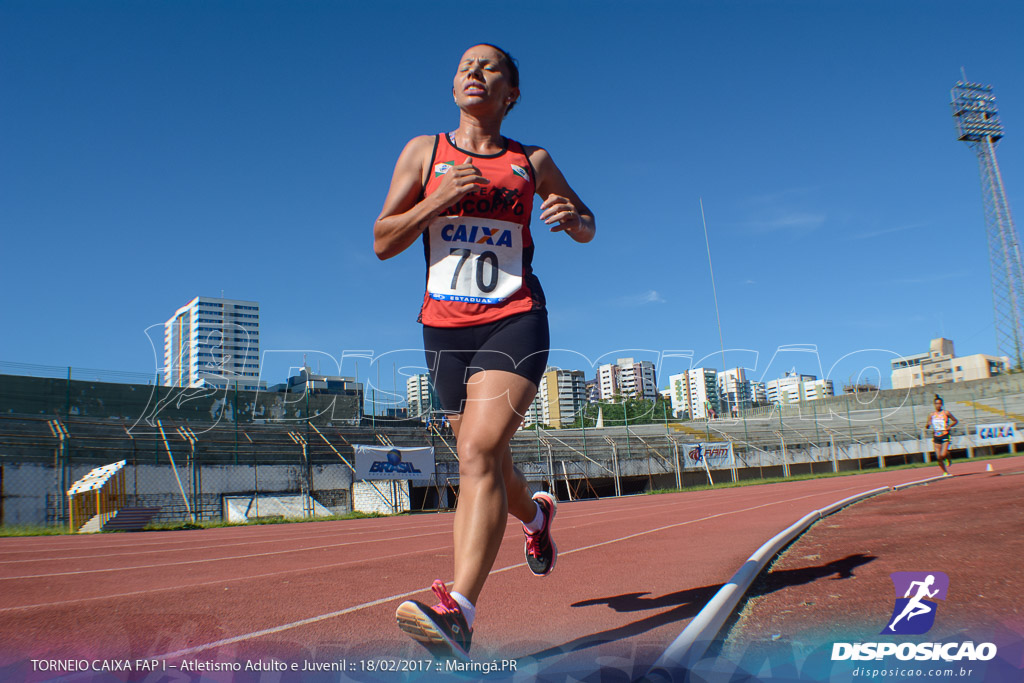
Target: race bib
938	423
475	260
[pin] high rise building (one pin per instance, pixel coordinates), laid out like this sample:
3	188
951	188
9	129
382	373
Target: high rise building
795	388
213	342
941	364
678	394
608	382
627	378
703	384
758	394
563	393
818	388
695	393
733	390
417	395
638	380
535	412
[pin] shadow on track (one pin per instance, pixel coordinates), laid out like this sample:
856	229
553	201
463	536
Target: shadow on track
685	604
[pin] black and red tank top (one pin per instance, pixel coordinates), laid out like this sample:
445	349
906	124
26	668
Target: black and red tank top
479	251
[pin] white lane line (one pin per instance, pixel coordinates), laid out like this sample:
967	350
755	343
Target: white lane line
513	529
255	541
304	570
677	524
285	627
252	538
264	541
77	543
516	531
381	601
187	542
639	513
220	559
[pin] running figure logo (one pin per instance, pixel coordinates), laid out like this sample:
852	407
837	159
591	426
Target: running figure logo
914	612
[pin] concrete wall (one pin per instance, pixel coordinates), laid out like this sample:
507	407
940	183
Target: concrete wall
30	490
384	497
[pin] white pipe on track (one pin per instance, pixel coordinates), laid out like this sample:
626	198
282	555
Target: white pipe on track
676	662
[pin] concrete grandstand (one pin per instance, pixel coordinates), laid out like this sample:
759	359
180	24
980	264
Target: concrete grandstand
52	431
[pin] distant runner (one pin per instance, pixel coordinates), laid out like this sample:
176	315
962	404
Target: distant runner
941	422
469	195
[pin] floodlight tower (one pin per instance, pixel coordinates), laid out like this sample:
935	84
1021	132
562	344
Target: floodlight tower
977	124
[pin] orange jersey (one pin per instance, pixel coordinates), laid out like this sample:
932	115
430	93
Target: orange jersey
479	251
939	422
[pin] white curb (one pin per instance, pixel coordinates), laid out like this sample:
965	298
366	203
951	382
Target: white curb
689	646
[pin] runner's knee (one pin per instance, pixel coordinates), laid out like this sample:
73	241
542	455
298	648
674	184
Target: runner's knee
479	457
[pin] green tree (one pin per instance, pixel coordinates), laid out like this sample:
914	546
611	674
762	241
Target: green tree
617	411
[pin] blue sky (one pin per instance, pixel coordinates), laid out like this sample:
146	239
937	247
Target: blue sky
155	151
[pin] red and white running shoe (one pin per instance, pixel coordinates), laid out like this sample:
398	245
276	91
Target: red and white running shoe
541	551
442	629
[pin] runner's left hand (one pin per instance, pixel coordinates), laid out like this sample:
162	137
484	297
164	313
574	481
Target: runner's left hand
558	209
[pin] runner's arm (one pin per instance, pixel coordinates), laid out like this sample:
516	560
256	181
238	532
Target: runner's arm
561	205
405	216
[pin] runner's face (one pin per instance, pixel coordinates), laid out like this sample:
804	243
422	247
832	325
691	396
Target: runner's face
938	405
482	78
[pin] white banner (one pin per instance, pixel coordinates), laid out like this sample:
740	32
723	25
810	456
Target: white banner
384	462
718	455
1004	432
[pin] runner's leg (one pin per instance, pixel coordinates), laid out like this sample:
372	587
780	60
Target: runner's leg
517	491
497	401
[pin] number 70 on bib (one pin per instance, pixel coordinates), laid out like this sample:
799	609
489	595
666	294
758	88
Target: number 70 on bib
474	260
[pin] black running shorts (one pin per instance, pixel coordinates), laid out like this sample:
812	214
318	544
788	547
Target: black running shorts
517	344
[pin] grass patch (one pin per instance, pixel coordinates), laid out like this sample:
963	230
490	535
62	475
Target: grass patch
32	530
182	526
40	530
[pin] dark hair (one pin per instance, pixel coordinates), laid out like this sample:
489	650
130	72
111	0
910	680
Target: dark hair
937	398
513	70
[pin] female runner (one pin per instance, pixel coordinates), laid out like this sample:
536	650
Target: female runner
469	195
941	422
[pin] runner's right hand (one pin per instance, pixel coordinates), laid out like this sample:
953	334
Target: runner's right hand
461	180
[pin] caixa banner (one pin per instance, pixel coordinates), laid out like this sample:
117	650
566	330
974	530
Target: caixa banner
717	455
389	462
1004	432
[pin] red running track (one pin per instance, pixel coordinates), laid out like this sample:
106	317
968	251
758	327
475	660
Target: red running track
631	573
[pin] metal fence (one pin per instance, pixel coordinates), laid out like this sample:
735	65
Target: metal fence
186	470
806	439
192	469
